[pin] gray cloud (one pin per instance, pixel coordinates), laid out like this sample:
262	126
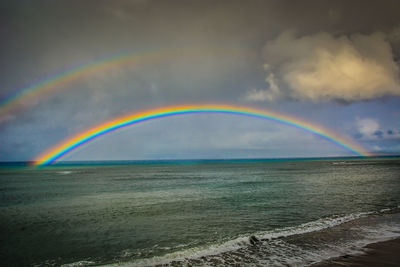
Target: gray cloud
323	67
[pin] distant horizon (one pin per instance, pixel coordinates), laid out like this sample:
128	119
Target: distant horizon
200	160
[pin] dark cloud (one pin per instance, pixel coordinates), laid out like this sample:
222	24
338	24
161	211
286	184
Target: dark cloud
358	136
379	134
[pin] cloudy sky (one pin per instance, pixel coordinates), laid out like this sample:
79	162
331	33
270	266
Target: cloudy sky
333	63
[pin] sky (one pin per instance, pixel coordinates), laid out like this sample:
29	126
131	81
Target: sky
333	63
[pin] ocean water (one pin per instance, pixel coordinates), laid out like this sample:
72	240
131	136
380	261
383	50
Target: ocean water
196	213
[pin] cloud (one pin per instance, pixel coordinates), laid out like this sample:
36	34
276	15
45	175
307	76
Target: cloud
263	95
379	134
370	129
394	35
323	67
367	127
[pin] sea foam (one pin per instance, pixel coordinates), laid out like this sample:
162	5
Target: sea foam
273	249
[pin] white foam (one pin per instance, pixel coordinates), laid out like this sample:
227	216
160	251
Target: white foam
243	241
78	263
356	247
64	172
313	226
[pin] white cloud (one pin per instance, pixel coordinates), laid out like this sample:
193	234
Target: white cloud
367	127
370	130
323	67
265	95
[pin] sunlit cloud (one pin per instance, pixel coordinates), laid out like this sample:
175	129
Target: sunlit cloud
324	67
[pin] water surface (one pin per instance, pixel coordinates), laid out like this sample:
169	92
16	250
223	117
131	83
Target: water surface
171	212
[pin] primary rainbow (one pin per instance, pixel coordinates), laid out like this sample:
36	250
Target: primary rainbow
62	149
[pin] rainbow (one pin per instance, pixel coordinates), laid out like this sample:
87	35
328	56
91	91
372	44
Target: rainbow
66	147
43	87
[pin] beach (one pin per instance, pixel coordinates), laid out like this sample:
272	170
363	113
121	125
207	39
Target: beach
386	253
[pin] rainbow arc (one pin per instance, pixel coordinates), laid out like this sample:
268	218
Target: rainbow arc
61	150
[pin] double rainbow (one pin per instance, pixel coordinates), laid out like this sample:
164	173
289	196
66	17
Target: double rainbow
59	151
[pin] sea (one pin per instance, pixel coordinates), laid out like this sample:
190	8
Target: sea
286	212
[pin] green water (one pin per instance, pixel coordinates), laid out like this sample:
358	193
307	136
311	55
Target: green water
122	213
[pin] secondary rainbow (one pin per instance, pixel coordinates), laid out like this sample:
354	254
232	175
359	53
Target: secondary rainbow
66	147
43	87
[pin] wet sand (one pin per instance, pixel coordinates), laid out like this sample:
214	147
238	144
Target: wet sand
380	254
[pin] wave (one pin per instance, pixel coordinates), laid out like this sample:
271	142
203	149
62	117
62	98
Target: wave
78	264
300	245
64	172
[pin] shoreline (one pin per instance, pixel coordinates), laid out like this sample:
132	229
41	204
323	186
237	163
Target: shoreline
385	253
